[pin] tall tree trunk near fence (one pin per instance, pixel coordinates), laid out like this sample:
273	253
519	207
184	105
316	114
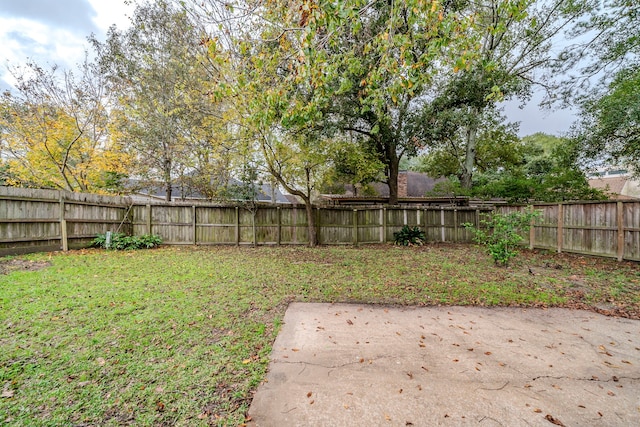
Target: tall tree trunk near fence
470	155
392	179
311	223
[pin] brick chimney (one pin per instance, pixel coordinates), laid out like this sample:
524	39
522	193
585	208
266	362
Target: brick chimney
402	184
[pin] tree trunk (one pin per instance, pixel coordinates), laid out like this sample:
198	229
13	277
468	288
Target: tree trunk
167	179
168	190
470	155
311	223
392	180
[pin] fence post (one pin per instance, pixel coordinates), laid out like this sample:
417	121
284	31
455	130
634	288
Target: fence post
455	225
382	232
148	219
620	215
425	223
442	233
318	227
560	226
355	227
279	229
404	216
237	226
64	238
195	232
532	231
384	225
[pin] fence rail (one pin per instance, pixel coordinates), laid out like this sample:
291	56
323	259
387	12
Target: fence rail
48	220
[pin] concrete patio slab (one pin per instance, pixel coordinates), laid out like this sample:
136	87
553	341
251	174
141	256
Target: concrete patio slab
360	365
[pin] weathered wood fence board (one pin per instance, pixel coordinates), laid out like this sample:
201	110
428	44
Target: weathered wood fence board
33	220
45	220
609	229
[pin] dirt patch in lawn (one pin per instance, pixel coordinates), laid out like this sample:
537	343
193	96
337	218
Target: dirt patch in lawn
9	265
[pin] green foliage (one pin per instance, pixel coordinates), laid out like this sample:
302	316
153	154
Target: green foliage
120	241
537	167
408	236
610	125
501	233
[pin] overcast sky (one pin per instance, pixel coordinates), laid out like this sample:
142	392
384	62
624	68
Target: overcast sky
55	32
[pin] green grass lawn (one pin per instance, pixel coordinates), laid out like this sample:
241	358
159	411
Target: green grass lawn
182	336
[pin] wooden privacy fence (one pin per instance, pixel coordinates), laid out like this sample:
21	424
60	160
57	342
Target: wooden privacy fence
46	220
283	225
609	229
49	220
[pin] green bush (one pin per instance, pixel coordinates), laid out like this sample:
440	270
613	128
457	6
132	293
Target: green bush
409	236
502	233
120	241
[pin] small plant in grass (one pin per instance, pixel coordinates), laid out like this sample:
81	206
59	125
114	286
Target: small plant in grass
409	236
502	233
120	241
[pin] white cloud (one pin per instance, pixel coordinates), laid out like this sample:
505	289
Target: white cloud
48	36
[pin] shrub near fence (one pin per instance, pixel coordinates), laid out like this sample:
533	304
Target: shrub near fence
46	220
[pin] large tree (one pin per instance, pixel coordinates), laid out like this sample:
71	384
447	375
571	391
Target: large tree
514	40
164	112
374	64
607	84
53	131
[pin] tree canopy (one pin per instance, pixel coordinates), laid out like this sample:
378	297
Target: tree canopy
310	93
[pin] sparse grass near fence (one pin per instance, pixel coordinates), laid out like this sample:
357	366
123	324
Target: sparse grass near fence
182	336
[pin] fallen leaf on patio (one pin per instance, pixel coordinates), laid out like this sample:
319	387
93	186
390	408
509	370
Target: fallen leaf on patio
553	420
537	410
309	394
610	393
488	353
387	417
295	349
349	322
312	402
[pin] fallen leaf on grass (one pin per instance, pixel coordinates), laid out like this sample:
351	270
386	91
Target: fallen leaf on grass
7	394
246	361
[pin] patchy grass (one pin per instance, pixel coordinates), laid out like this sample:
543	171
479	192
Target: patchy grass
182	336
